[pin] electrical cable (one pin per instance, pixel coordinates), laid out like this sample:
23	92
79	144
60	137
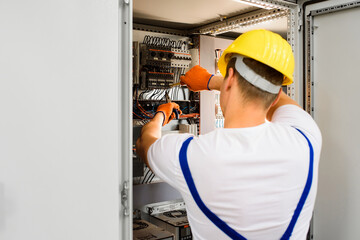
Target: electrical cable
141	94
153	93
190	115
149	177
143	110
183	90
152	178
148	171
138	116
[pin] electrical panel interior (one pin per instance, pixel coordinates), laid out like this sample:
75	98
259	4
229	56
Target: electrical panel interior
158	62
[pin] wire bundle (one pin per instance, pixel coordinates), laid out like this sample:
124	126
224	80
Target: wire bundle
164	42
148	178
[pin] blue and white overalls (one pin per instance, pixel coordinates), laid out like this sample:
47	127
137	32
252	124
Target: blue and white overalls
221	224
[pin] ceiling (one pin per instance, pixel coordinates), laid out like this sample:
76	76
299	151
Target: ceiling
189	14
277	25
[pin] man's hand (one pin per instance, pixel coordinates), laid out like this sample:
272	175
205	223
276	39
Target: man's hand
152	131
197	79
170	111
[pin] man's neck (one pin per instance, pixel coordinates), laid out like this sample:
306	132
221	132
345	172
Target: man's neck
250	115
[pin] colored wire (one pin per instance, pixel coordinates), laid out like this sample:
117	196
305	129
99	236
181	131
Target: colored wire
190	115
143	110
138	116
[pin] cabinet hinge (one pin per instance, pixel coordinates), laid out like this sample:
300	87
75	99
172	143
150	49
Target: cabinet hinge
125	198
300	22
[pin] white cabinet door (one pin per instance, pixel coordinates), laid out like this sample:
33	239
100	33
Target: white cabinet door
335	72
59	120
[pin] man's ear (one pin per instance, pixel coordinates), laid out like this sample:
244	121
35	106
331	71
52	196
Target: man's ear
230	79
277	98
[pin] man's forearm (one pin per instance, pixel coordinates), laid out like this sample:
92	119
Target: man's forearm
153	128
215	82
149	134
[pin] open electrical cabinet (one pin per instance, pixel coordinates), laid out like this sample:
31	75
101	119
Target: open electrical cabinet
67	168
168	39
197	32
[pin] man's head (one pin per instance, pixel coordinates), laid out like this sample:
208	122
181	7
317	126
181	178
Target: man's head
248	91
260	61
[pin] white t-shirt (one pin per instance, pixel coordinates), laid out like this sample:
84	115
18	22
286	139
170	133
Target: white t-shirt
251	178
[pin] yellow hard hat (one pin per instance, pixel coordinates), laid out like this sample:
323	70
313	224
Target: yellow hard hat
264	46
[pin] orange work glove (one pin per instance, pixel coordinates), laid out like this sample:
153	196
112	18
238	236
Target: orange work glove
170	111
196	79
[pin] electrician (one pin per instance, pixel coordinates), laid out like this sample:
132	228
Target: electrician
257	177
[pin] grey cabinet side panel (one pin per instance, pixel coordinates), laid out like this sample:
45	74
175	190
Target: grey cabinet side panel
336	83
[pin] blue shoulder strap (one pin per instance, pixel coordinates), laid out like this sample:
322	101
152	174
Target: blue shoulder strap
220	223
190	182
304	194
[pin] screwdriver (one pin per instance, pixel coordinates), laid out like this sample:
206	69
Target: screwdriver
175	84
